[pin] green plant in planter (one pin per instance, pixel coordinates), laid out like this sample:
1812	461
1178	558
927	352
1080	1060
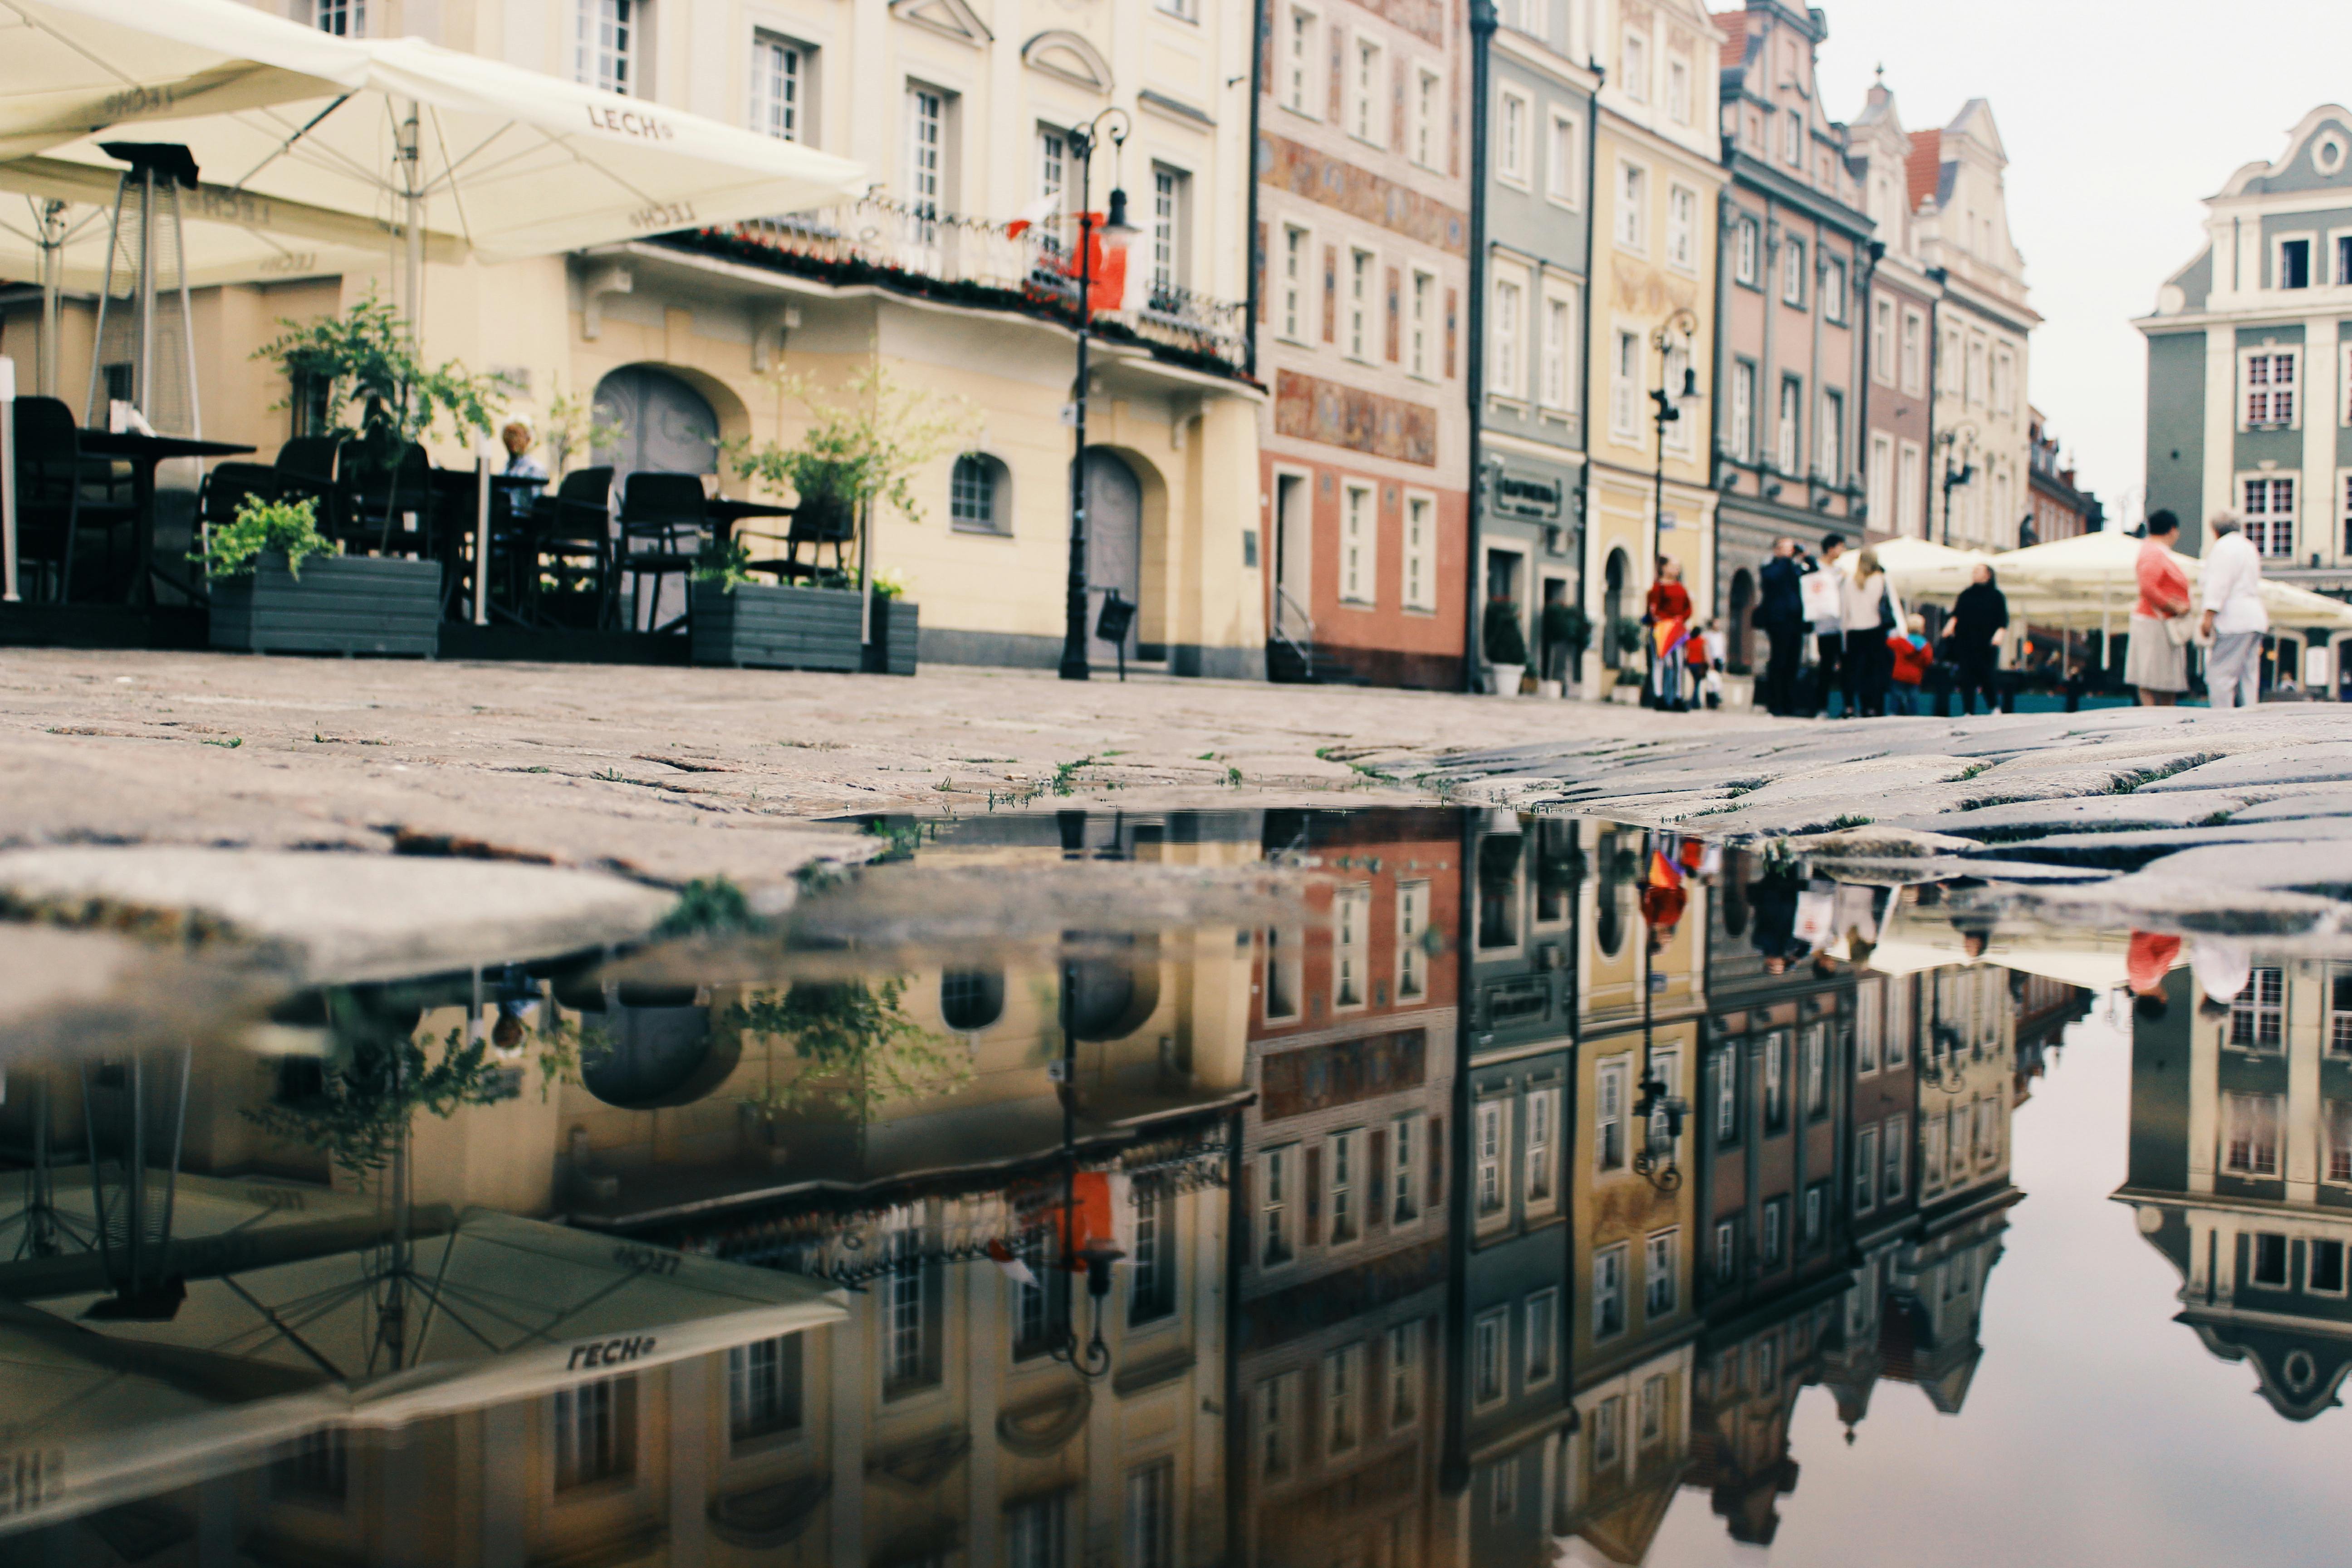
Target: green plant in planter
368	358
859	1051
1505	642
290	527
728	569
891	583
1627	634
860	448
1567	632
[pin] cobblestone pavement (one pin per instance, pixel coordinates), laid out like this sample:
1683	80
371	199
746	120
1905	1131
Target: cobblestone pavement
2164	818
671	773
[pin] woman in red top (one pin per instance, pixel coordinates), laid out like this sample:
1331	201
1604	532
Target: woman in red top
2154	662
1669	618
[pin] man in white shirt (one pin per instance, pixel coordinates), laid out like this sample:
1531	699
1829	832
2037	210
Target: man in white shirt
2234	617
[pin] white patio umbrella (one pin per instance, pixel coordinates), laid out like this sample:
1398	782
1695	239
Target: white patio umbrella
1921	569
2093	580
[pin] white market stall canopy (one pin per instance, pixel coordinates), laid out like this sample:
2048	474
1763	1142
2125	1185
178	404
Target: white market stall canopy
1922	569
300	134
2093	580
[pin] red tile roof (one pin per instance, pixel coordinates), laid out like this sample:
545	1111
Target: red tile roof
1735	36
1925	165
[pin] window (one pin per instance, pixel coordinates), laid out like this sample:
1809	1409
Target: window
2258	1013
1152	1513
2269	1249
906	1309
1357	544
1792	138
1276	1397
1543	1337
1897	1146
1776	1231
1343	1155
1632	207
1563	170
764	1388
1865	1169
2326	1272
1667	1066
1743	411
1833	437
1608	1432
1039	1306
1404	1376
1814	1212
1634	62
1785	439
1678	90
1487	1340
2339	1014
1428	116
1681	432
1505	1501
1541	1172
1975	384
972	495
2294	264
2269	513
1726	1251
1274	1213
1151	1277
1957	1144
1747	247
1404	1199
1609	1116
1420	593
2339	1140
1869	1011
606	56
1833	289
1034	1534
1412	898
1624	382
1365	121
1351	909
1882	341
1988	1133
344	18
1558	345
1171	191
1508	380
595	1432
1724	1069
1343	1399
1649	1427
1881	503
1948	367
926	155
1425	295
1511	139
1658	1269
1681	226
1297	263
1361	264
1281	975
1792	272
1608	1291
775	87
1298	62
1914	364
1490	1151
1910	500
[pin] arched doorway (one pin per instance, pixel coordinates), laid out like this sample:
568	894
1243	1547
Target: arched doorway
1743	601
663	425
1114	544
1612	609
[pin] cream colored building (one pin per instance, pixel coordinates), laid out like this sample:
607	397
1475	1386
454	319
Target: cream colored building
1656	175
961	112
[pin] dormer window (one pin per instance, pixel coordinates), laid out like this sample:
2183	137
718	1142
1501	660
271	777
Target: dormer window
1793	139
2294	264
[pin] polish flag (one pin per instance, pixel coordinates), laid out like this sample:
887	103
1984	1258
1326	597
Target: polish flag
1015	1269
1033	215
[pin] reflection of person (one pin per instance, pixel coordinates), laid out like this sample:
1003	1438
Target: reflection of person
2147	959
1773	899
518	438
1980	626
2234	617
1781	611
2224	967
2154	662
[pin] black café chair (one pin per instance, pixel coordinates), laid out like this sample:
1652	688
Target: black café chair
663	524
228	487
54	500
816	524
572	531
306	470
389	502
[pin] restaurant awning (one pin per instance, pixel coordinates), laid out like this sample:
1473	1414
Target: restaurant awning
2091	581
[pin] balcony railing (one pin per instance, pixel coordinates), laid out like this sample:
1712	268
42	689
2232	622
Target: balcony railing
969	260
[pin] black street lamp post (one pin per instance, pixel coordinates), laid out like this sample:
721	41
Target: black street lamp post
1113	124
1961	438
1667	405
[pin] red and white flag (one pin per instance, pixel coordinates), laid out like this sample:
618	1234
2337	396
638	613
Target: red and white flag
1033	215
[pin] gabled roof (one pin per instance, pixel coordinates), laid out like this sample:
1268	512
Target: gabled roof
1735	38
1922	171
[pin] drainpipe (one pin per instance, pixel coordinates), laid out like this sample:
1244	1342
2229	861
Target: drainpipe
1726	214
1865	268
1454	1457
1250	247
1482	35
1584	425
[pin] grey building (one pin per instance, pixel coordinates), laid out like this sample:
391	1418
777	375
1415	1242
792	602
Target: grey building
1538	207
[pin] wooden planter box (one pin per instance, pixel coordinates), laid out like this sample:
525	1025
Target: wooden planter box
341	604
776	628
892	649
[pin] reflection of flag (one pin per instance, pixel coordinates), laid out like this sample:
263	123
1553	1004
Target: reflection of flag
1033	215
1662	899
1006	1258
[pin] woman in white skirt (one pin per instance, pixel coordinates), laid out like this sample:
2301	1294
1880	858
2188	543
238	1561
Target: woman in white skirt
2157	659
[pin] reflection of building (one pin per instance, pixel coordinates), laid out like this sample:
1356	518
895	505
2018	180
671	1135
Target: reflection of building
2241	1172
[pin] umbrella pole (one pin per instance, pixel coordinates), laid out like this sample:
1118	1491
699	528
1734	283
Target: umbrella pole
413	222
53	283
143	390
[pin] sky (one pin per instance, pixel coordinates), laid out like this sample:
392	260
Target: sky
2118	121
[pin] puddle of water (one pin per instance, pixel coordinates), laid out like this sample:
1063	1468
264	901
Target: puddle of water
1371	1190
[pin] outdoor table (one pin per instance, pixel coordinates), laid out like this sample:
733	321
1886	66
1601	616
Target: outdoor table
142	453
488	491
725	514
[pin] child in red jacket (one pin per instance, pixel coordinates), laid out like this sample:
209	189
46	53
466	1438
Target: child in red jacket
1912	659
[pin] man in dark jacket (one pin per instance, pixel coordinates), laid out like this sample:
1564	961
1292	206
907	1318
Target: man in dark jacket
1980	626
1781	611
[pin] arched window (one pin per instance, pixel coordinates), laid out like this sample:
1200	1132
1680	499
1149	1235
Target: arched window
971	999
977	495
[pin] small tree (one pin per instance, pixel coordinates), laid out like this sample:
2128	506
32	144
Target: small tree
859	1051
575	423
860	448
1505	642
1567	632
367	358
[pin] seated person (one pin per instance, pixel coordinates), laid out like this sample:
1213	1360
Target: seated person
519	439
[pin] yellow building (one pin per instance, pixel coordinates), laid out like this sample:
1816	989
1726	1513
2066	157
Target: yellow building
1656	183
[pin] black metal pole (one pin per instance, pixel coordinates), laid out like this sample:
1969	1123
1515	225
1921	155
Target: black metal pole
1482	22
1074	604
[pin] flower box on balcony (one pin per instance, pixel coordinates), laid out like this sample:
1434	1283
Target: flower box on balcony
341	604
774	627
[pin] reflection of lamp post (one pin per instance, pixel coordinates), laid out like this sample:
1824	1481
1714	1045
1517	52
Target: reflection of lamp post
1961	437
1655	1162
1116	232
1098	1254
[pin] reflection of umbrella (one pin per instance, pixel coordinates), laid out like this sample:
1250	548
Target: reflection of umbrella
1914	940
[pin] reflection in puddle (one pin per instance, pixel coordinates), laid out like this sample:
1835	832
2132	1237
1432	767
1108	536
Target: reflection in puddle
1378	1189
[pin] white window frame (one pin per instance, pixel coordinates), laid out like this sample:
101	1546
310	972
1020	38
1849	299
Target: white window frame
2255	1114
1343	1399
1275	1448
1726	1251
1302	40
1633	64
1401	1191
1507	370
1741	435
340	18
1170	219
1829	434
1367	120
1882	342
1629	224
1624	387
1661	1274
1515	119
1894	1149
1563	158
1650	1420
1865	1169
1681	433
2269	354
1540	1356
1428	117
1419	325
1351	920
1613	1115
1360	543
1412	898
1747	252
1608	1291
1344	1152
1294	285
1680	99
1419	553
1357	338
1490	1359
1405	1385
2004	378
1280	1170
2270	504
1727	1094
1881	479
612	63
1608	1433
1667	1066
1913	353
1787	437
2314	267
779	86
1833	289
1682	227
1490	1160
1539	1164
1911	490
1792	272
1556	349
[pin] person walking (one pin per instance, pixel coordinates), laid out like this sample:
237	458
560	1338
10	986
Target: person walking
2158	661
1825	608
1980	627
1909	660
1669	618
2234	617
1781	611
1869	618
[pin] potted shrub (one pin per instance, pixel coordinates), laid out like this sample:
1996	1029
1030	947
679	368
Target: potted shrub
735	621
1628	635
280	586
897	620
1567	632
1506	648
